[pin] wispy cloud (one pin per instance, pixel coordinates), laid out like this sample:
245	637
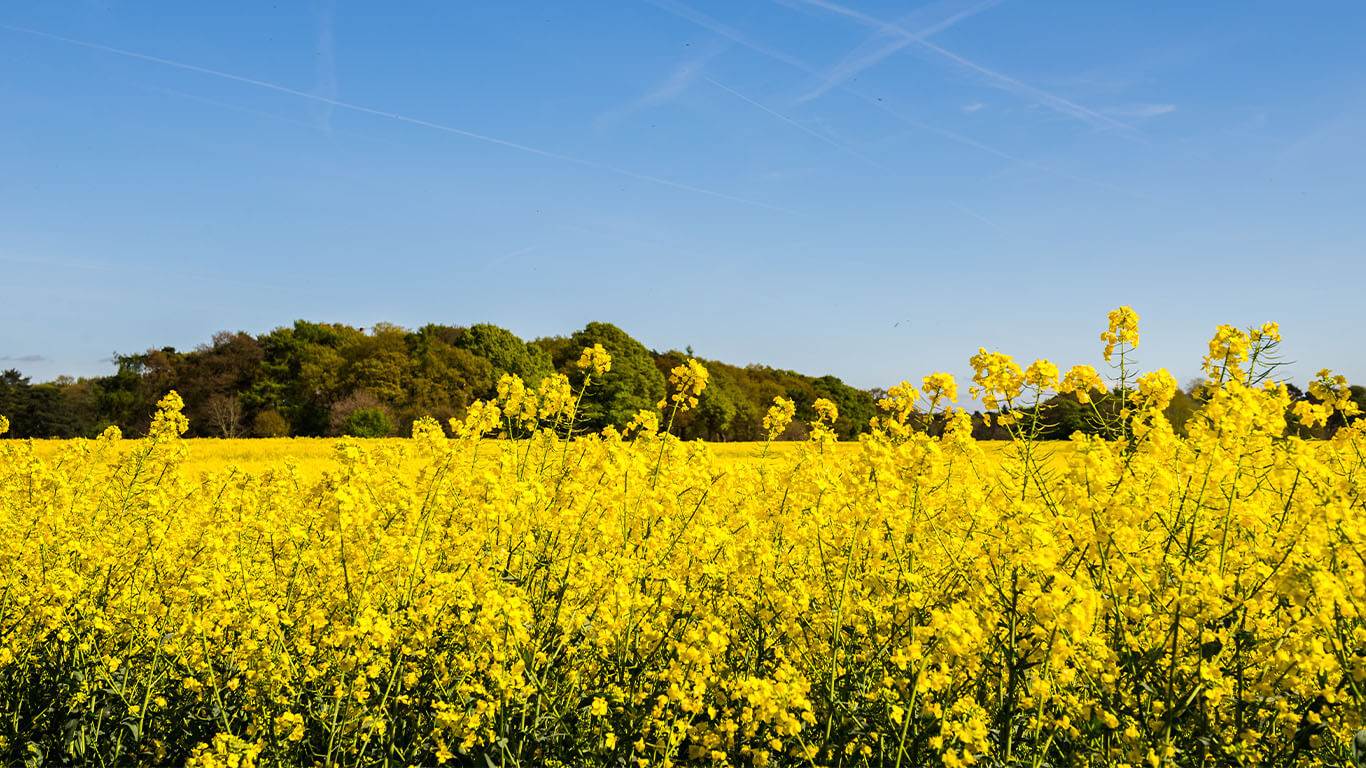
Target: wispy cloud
730	33
825	137
973	107
502	257
974	214
398	117
666	90
23	359
852	65
1142	110
996	79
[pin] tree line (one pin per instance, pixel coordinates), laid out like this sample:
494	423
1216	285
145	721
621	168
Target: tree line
325	379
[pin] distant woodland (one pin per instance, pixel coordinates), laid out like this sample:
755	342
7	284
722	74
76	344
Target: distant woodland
323	379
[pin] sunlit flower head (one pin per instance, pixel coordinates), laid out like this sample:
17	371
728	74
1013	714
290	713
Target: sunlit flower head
1157	388
594	360
1123	330
1082	380
939	387
1228	350
826	411
1041	374
556	397
778	417
997	379
687	381
645	422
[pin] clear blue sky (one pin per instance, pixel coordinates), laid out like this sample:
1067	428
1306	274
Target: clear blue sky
872	190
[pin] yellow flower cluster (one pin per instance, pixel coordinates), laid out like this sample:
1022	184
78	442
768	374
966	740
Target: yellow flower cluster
912	600
1041	375
939	387
1333	396
779	415
997	379
1082	380
1157	388
595	361
1123	330
687	381
1228	350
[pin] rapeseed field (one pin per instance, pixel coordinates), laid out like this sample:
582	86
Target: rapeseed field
505	590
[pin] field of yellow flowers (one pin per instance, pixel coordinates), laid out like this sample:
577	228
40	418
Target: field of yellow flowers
553	598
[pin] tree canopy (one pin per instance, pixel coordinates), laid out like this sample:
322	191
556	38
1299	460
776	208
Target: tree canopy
316	379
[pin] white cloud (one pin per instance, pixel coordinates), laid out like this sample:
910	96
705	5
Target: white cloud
973	107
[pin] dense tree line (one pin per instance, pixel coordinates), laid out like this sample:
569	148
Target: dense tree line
317	379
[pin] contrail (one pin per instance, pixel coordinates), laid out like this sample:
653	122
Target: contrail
677	8
846	69
817	134
1002	81
394	116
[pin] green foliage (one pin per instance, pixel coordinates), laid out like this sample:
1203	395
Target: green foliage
507	352
269	424
37	410
634	383
367	422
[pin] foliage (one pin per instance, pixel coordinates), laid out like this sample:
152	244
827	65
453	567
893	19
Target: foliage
506	352
307	371
269	424
635	384
367	422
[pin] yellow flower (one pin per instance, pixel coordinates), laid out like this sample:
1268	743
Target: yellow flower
517	403
291	724
939	386
595	360
643	423
1082	380
997	379
687	381
1123	330
1228	350
826	411
778	417
1157	388
1041	374
481	418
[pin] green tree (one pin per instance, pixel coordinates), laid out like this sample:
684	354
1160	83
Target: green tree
634	383
35	410
269	424
507	352
446	379
367	422
301	374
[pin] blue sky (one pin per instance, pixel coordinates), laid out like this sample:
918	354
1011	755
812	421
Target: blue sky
871	189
